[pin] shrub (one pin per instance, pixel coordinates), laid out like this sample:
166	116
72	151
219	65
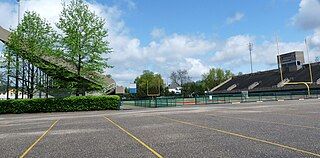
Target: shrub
79	103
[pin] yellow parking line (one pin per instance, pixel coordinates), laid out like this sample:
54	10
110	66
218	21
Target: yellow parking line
269	122
243	136
35	143
135	138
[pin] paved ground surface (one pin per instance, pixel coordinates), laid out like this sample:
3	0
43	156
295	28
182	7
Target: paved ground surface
269	129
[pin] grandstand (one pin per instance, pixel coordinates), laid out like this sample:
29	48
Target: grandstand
293	71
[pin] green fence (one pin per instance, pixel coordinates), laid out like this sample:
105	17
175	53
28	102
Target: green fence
222	99
154	102
256	97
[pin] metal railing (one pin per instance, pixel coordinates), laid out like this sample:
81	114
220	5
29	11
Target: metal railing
156	102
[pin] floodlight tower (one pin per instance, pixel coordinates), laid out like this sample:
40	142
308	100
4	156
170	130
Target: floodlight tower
18	11
250	50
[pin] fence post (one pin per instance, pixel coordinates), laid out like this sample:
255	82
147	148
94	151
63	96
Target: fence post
260	98
182	100
156	102
167	100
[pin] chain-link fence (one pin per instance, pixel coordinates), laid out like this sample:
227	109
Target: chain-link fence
222	98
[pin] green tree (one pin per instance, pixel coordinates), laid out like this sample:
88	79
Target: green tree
192	89
83	41
214	77
33	38
149	83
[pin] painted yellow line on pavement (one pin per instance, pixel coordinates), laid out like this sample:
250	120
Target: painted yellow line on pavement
36	142
269	122
243	136
135	138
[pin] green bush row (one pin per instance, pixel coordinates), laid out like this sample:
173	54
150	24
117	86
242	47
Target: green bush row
79	103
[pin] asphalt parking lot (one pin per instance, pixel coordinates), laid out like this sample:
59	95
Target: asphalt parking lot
268	129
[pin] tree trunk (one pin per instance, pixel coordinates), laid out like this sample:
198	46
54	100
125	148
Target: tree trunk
47	86
17	78
28	80
8	80
79	77
40	84
32	81
23	78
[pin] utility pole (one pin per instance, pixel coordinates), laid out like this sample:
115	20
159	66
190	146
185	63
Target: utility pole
307	48
250	50
18	11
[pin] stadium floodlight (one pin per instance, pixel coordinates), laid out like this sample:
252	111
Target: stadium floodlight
18	11
250	50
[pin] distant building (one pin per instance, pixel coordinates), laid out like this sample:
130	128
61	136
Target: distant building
175	88
3	94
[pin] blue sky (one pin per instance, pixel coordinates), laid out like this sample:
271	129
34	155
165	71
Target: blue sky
166	35
260	18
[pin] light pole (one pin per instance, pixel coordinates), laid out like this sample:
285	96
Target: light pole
18	11
250	50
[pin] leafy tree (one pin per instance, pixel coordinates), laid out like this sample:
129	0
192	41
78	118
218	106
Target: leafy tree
33	38
180	77
149	82
83	41
192	89
3	78
214	77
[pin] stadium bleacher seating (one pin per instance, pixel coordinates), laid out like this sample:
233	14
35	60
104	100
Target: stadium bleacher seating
268	80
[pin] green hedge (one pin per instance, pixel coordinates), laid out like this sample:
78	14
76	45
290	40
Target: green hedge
79	103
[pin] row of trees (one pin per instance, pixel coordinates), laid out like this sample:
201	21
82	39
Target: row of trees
150	84
81	45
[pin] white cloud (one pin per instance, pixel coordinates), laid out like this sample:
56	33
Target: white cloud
235	55
236	17
167	52
267	52
157	33
166	55
9	16
49	9
308	15
195	68
315	38
307	18
131	4
184	46
234	49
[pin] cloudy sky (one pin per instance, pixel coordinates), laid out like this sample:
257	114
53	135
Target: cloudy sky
166	35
